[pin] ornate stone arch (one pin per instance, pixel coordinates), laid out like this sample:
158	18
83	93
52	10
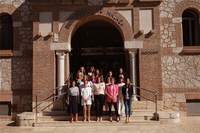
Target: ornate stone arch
126	31
187	4
9	9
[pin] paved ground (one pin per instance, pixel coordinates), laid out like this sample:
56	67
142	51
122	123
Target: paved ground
187	125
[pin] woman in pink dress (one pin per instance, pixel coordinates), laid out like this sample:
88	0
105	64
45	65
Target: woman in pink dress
112	92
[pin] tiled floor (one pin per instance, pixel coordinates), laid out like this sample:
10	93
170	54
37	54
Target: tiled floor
187	125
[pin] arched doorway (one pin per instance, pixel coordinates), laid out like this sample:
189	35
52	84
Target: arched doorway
99	44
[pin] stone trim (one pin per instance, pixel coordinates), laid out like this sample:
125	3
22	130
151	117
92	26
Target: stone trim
60	46
168	117
131	45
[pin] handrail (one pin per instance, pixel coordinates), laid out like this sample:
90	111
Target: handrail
67	83
156	98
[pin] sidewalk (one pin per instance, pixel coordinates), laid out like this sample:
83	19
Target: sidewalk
187	125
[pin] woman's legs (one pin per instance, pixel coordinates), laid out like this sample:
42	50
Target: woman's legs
122	104
84	112
130	103
110	113
119	104
71	117
116	110
88	110
126	108
77	117
96	100
101	101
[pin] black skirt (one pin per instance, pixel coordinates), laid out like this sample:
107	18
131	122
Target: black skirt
73	104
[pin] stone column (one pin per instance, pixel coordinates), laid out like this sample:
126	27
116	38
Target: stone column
132	47
60	69
133	74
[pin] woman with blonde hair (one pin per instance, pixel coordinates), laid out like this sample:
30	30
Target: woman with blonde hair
82	71
78	78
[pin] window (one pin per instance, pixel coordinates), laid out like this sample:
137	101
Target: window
5	108
190	28
6	32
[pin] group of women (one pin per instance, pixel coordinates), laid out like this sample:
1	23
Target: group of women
90	89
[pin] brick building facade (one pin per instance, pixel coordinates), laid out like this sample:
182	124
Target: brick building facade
156	55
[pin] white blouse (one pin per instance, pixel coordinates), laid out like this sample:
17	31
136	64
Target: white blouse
99	89
120	85
81	85
86	92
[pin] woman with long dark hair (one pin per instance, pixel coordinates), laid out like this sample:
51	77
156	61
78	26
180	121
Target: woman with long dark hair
98	74
127	92
98	97
92	71
122	74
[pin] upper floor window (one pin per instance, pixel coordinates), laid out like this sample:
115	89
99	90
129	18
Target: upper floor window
190	28
6	32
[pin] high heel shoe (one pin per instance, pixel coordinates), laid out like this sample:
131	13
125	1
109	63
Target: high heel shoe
100	119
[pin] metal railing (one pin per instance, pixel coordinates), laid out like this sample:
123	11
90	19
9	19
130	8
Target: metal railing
67	83
149	99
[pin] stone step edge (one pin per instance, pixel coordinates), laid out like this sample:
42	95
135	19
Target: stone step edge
95	116
93	121
66	111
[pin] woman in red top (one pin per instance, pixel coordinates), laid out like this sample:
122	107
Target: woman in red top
112	92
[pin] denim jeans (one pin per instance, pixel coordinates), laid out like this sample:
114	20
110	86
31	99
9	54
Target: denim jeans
128	106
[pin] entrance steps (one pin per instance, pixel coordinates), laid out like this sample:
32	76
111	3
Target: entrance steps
91	123
62	118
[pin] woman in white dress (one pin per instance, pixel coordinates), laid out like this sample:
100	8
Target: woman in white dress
120	102
86	101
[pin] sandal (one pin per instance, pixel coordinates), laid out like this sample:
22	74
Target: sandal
110	119
100	119
71	121
117	119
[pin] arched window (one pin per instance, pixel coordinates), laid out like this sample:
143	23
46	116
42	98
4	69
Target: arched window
6	32
190	27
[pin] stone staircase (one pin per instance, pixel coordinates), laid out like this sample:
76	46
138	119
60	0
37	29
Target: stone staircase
62	118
